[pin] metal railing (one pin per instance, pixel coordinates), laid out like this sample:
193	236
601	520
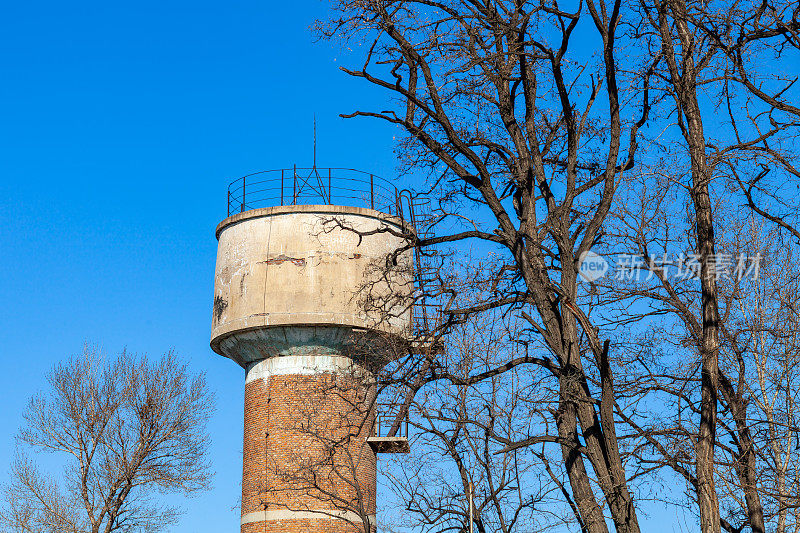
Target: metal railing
308	186
426	318
385	417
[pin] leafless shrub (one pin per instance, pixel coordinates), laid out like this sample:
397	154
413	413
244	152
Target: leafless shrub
126	430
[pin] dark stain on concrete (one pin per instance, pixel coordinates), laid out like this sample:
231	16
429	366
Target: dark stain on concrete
219	307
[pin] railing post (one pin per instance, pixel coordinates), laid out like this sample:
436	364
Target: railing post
244	193
294	185
229	201
330	189
398	204
371	192
281	186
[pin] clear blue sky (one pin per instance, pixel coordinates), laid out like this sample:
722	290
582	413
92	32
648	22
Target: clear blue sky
120	127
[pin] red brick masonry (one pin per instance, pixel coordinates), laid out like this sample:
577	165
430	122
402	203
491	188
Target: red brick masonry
305	450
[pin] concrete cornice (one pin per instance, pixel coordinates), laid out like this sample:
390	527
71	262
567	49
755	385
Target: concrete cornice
318	209
304	365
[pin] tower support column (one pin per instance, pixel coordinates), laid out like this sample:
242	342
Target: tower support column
307	464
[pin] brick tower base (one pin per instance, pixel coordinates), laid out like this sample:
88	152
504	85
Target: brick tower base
307	465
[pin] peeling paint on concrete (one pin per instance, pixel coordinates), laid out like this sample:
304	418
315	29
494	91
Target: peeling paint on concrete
298	261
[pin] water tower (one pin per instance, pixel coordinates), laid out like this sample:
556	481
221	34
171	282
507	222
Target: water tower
307	303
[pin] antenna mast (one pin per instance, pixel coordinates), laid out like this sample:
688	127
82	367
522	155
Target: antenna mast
315	141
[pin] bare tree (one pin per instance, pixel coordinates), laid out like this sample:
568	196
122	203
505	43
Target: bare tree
757	342
498	103
460	430
528	138
759	47
126	430
761	338
715	52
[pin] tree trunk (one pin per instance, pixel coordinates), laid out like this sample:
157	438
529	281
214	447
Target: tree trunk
683	79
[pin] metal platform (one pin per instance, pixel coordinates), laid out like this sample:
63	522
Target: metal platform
389	444
384	418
